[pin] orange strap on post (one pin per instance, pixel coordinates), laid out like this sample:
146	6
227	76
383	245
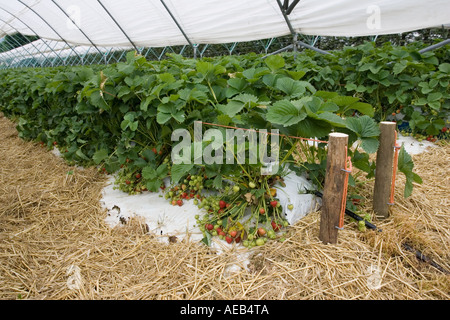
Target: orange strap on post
348	169
394	170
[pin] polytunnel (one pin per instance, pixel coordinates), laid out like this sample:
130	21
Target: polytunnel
101	31
165	150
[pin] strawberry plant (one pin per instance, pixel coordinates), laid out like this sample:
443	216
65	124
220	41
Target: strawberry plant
121	117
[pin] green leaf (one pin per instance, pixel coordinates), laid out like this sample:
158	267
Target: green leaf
271	79
344	101
166	78
435	96
97	100
364	126
369	145
326	95
310	128
294	88
275	62
162	171
179	170
285	113
444	67
153	185
146	102
80	154
207	239
162	117
406	166
223	119
217	183
149	173
100	155
254	74
296	75
364	108
331	118
179	116
236	104
399	67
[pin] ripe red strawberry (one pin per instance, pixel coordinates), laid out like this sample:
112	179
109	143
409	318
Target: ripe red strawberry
209	226
138	176
219	230
221	233
222	204
237	240
128	182
228	239
261	231
180	202
273	203
275	226
233	233
262	211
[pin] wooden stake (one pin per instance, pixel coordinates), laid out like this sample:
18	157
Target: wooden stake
383	172
333	187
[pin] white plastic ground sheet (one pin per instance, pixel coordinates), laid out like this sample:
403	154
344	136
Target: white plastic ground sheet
413	146
165	220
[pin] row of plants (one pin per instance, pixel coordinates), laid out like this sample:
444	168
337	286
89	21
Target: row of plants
121	118
402	84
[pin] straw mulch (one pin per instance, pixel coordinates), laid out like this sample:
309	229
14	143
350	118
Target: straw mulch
54	244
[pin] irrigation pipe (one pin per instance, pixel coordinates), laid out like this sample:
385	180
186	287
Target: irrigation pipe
419	255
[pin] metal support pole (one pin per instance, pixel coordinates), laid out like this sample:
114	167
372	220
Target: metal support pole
11	57
278	51
84	34
26	25
118	25
435	46
49	25
17	42
194	46
288	22
301	43
291	7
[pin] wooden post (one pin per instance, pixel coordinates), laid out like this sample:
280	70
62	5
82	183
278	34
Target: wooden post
333	187
383	172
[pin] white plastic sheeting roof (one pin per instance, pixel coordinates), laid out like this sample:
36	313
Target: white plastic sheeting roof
153	23
45	49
